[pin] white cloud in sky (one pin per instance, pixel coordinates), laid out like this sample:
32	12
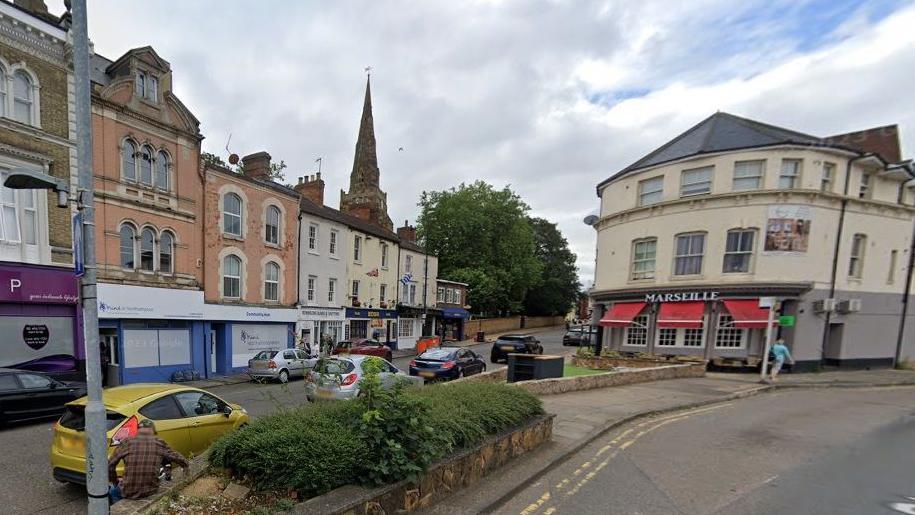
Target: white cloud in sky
550	97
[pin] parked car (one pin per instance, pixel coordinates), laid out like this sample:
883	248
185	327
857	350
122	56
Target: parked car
518	343
278	365
579	335
363	346
188	419
26	395
337	378
447	363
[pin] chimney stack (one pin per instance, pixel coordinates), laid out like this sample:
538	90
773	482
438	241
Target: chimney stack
407	232
257	165
311	188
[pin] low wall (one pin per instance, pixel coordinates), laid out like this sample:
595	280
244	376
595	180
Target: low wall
604	363
622	377
442	479
501	325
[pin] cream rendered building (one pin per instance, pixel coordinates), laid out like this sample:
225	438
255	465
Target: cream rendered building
371	279
690	237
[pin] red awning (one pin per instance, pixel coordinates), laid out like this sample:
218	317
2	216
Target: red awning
621	314
681	314
747	314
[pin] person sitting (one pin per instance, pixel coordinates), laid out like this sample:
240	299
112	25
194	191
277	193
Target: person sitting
143	455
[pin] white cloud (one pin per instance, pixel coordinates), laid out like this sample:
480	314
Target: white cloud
500	90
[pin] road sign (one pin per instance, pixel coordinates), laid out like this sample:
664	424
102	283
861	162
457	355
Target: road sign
767	302
786	320
78	265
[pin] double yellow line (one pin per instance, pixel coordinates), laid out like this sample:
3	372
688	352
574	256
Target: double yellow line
587	470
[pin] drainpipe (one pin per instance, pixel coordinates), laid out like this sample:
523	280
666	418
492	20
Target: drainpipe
905	298
298	265
835	254
425	288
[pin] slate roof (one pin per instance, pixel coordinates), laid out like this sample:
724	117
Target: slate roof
724	132
307	206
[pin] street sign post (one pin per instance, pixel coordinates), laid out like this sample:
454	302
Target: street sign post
767	302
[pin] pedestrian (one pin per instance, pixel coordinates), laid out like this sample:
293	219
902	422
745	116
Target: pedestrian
142	454
780	353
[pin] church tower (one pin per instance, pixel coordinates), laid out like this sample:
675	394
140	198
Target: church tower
365	199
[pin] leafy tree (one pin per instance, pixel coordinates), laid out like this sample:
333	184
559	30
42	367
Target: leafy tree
482	236
558	288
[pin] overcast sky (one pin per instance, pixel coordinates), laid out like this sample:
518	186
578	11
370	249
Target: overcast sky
550	97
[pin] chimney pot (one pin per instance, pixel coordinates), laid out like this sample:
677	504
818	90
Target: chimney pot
301	179
312	188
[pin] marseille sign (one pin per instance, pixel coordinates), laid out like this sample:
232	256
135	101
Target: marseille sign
691	296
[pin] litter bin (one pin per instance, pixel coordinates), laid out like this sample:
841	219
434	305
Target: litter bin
526	367
481	336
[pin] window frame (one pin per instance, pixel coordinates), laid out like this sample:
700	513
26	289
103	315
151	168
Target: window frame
795	178
272	231
133	154
147	154
357	249
384	256
332	290
701	256
28	100
633	261
311	288
750	254
382	292
269	283
827	180
354	289
643	194
726	334
227	214
856	256
171	252
333	242
865	186
162	160
133	245
238	278
684	185
408	264
313	238
153	250
637	329
760	176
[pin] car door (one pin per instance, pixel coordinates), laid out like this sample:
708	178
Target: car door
42	397
171	425
477	362
12	398
206	418
464	362
292	363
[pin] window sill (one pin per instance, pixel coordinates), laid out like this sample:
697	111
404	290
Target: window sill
695	277
334	256
234	237
273	245
642	281
750	272
855	280
314	253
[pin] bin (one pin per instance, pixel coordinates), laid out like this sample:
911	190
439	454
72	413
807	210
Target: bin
527	367
481	336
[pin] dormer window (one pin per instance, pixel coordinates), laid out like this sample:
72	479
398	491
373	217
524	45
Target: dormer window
147	87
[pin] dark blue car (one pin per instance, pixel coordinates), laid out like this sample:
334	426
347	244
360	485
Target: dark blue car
514	343
444	363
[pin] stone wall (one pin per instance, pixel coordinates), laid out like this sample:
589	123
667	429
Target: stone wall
444	478
604	363
620	378
501	325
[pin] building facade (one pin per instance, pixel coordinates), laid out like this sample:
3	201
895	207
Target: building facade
148	213
451	298
38	304
692	236
416	287
250	258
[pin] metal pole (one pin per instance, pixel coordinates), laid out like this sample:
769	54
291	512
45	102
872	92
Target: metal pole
765	357
905	299
97	440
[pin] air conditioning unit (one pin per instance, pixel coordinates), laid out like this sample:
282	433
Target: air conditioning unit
824	306
849	306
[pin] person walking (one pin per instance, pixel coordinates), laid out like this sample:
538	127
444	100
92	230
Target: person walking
781	354
142	454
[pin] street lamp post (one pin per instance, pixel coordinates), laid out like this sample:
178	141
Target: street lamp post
96	428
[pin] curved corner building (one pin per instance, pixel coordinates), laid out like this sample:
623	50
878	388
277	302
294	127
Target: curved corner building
693	235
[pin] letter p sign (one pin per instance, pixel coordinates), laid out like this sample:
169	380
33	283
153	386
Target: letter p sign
15	284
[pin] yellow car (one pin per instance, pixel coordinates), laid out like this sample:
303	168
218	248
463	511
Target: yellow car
188	419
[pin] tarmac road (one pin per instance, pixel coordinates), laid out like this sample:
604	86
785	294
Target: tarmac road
835	451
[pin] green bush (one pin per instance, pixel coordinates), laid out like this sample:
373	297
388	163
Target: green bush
312	449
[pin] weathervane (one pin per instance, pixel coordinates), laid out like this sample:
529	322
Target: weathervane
368	70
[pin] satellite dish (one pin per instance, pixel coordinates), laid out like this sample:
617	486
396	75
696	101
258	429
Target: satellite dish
590	219
233	159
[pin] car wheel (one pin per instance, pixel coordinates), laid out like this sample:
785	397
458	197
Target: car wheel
540	350
460	374
284	376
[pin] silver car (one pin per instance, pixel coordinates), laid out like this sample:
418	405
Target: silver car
338	378
278	365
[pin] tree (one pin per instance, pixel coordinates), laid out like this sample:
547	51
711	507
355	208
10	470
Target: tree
558	289
482	236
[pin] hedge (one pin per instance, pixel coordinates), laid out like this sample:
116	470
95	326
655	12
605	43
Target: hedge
319	447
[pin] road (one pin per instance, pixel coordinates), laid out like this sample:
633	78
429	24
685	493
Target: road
835	451
26	485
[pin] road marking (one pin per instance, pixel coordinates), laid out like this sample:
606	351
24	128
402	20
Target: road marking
534	506
549	511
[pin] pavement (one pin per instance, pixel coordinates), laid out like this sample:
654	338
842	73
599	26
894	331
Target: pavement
585	417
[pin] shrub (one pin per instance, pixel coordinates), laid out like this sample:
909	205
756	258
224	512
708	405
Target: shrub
312	449
585	352
610	353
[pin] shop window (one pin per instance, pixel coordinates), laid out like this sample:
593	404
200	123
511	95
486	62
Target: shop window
272	226
689	251
681	337
358	329
636	333
643	258
651	191
406	328
739	250
748	175
166	252
147	249
728	336
667	337
128	250
231	277
790	175
231	214
272	282
697	181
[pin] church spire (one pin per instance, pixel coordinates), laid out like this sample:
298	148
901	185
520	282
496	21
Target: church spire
365	162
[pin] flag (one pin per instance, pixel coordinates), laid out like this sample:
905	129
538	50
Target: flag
372	273
406	279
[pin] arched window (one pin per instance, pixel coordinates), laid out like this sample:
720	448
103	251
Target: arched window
272	282
146	159
128	251
2	92
166	252
231	214
231	277
22	97
162	168
273	225
147	249
129	160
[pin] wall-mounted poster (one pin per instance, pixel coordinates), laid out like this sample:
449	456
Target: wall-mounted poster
788	229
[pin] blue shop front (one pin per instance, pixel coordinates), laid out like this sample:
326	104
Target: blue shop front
235	334
374	324
453	322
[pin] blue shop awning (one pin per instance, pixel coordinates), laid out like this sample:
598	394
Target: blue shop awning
455	313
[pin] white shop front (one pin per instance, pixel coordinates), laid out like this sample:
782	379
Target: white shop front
317	323
235	334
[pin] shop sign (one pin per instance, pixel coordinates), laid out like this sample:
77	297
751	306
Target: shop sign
44	345
306	314
370	313
123	301
249	313
249	339
37	286
692	296
786	320
788	229
36	336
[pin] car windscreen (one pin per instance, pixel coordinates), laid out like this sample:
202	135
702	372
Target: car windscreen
75	418
438	354
266	354
511	339
334	366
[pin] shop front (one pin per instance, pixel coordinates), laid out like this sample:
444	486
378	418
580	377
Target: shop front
235	334
453	322
724	326
40	321
317	324
374	324
414	323
149	334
